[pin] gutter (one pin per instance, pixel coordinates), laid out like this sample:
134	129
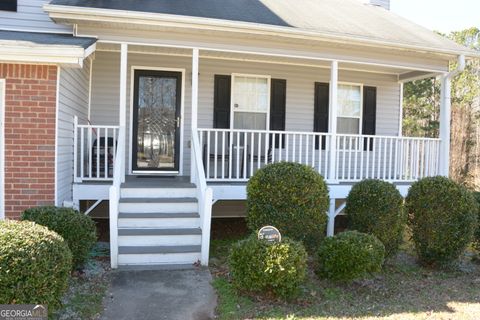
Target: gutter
169	20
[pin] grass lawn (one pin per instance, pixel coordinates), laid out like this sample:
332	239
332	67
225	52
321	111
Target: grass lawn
87	288
403	290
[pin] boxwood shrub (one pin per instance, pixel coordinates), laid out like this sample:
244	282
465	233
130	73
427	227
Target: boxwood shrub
350	255
376	207
292	197
442	217
268	268
35	264
77	229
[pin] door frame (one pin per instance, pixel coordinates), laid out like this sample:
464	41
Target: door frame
3	87
182	122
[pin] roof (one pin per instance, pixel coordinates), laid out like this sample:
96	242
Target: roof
65	49
49	39
345	18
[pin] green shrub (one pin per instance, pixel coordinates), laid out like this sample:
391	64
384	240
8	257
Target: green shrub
376	207
77	229
476	238
35	264
292	197
350	255
442	216
260	266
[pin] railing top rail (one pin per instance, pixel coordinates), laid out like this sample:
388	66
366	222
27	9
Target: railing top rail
385	137
97	126
264	131
318	134
119	158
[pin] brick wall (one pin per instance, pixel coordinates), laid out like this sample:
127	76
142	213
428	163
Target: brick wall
30	104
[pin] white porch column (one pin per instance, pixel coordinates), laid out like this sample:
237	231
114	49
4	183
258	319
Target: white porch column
445	115
332	120
195	58
123	98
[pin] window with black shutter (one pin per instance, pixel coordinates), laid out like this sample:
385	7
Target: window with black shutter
278	106
320	112
8	5
369	114
221	101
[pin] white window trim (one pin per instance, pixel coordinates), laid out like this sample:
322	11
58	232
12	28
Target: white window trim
232	95
360	125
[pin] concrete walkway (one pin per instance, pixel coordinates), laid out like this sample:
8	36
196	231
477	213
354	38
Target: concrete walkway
161	294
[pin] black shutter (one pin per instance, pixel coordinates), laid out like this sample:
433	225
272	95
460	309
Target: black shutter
221	102
8	5
369	114
320	112
278	105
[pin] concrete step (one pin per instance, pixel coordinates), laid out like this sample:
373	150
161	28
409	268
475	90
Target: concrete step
171	192
159	220
157	215
158	255
159	237
158	205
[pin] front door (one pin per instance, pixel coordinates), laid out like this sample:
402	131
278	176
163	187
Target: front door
156	121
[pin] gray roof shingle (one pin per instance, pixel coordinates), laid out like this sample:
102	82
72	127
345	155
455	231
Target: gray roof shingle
46	39
349	18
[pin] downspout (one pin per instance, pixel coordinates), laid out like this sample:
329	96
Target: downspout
445	115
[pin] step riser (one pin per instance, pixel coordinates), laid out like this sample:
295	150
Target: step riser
158	193
164	240
160	223
165	207
167	258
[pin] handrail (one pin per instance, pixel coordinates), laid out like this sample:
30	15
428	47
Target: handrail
114	195
204	196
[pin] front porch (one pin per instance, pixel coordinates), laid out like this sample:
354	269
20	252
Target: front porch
204	132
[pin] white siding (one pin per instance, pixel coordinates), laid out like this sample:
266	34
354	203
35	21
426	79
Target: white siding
30	17
300	90
73	101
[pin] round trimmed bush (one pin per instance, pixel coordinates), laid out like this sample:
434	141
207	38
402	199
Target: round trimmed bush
292	197
77	229
350	255
376	207
260	266
442	217
35	264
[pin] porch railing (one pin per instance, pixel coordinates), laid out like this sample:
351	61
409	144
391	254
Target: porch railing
235	155
204	197
95	148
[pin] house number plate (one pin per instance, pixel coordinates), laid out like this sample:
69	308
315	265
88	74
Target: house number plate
270	234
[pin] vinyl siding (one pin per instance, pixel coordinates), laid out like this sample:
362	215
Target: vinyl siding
300	91
73	101
30	17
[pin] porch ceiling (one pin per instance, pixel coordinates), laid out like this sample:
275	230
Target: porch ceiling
403	74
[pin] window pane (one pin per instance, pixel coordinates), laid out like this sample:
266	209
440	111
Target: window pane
349	98
250	94
348	125
250	120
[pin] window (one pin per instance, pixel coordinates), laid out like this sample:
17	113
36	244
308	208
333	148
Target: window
250	102
8	5
349	114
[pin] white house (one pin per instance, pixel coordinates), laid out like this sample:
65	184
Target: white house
165	107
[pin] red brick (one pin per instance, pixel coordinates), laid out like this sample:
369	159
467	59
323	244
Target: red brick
30	107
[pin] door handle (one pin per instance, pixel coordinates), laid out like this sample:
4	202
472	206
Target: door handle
178	122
